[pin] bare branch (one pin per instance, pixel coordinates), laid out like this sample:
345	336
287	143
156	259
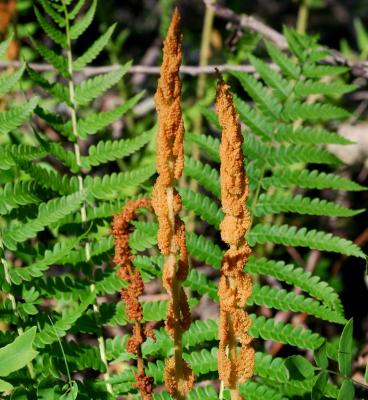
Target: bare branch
138	69
358	68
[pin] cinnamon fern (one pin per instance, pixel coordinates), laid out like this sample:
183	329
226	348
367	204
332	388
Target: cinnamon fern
66	170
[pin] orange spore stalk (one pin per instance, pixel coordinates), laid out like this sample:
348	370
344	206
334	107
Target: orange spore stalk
235	366
130	295
166	202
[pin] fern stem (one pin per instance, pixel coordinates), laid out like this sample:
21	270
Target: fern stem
302	20
201	87
83	212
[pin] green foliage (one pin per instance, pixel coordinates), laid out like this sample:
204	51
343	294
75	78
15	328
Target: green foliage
56	207
66	174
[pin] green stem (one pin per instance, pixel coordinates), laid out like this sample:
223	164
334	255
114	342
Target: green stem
77	152
302	20
200	90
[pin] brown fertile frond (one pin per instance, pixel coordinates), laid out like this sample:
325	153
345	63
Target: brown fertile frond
166	202
235	286
130	295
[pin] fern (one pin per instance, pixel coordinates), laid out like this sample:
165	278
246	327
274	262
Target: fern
65	174
290	235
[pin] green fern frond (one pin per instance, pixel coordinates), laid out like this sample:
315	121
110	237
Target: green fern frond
281	86
313	179
198	282
59	19
205	250
202	205
287	65
97	121
79	27
297	277
308	135
10	154
8	81
319	71
51	333
265	154
254	119
295	43
291	236
278	331
110	150
53	256
16	116
265	100
59	62
50	179
309	87
56	122
5	44
276	203
207	177
208	143
54	34
92	88
48	213
111	186
75	11
281	299
17	194
56	89
92	52
312	112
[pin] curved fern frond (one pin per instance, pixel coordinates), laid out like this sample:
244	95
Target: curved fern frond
312	112
97	121
286	64
16	116
253	119
78	28
297	277
110	150
51	333
8	81
14	195
92	88
309	179
284	300
59	62
308	135
202	205
48	213
281	86
207	177
92	52
291	236
265	100
309	87
11	153
209	144
273	204
54	34
286	155
57	253
110	186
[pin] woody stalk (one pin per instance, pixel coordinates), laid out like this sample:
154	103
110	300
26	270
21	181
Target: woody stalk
166	202
235	365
